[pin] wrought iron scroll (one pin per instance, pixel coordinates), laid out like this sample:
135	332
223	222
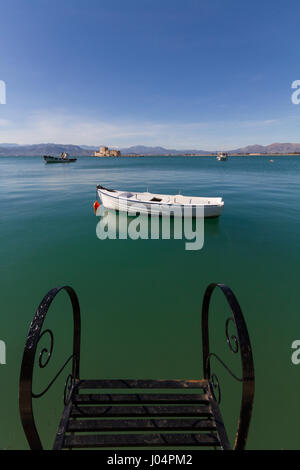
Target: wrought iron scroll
35	334
237	343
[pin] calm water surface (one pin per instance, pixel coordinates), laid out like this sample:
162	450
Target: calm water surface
141	300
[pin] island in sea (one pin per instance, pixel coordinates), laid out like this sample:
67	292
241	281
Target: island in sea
16	150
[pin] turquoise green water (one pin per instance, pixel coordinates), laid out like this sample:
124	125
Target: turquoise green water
141	300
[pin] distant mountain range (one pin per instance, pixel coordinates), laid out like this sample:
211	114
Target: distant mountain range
272	148
15	150
281	148
144	150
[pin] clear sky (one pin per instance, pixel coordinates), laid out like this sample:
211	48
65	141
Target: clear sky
201	74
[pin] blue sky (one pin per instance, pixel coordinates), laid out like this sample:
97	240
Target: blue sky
202	74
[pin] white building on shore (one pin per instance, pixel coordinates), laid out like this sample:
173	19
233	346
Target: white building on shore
106	152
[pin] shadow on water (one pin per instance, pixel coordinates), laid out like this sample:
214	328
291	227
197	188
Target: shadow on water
119	225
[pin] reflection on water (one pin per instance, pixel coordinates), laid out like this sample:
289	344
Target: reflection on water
120	225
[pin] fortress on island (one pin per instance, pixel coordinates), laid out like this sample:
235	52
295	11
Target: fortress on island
106	152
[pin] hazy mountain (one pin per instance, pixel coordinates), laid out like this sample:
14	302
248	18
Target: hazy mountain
85	150
15	150
42	149
272	148
144	150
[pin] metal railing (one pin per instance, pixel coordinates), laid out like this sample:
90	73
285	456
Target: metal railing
239	342
26	394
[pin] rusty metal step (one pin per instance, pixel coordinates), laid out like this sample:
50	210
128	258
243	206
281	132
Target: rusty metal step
132	411
141	440
141	384
140	399
141	425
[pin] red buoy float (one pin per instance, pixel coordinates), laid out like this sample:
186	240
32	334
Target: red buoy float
95	206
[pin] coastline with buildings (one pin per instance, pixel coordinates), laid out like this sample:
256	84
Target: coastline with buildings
106	152
16	150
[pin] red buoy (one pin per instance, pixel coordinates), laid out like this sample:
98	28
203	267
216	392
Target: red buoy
95	206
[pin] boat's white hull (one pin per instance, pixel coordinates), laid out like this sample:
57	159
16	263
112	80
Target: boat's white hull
111	200
222	157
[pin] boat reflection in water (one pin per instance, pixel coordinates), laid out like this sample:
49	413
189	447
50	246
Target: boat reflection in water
115	225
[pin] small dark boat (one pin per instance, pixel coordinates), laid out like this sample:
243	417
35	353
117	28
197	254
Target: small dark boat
64	158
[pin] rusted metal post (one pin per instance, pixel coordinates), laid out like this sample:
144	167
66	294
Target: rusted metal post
26	376
241	343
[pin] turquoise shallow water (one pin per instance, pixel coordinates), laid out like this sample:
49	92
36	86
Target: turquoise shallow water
141	300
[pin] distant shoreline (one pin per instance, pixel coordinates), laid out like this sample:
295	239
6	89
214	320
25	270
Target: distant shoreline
167	155
38	150
215	155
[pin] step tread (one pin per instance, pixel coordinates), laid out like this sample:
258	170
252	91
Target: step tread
129	411
139	399
141	425
141	440
146	383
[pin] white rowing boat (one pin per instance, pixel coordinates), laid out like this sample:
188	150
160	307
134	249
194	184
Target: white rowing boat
160	204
